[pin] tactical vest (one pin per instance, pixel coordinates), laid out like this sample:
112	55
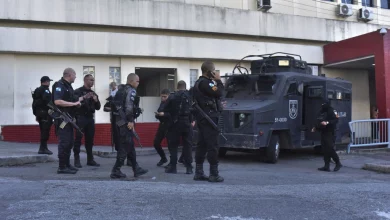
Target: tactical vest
68	95
209	105
182	103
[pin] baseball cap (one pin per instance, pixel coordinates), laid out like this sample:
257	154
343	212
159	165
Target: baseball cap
45	79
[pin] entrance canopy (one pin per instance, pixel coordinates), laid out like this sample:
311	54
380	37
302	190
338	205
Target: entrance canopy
371	50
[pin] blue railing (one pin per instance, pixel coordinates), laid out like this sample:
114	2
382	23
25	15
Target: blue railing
366	133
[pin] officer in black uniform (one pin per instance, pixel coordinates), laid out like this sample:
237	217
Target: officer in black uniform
123	111
65	100
42	96
107	108
85	120
178	110
326	124
162	127
207	94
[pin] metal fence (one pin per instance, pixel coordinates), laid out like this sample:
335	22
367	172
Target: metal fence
373	132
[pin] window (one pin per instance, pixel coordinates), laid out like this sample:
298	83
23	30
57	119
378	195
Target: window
314	70
385	4
292	89
347	1
193	77
330	95
114	76
368	3
315	92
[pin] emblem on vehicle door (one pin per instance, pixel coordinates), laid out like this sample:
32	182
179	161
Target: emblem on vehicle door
293	109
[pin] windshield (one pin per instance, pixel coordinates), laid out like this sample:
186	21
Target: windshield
250	87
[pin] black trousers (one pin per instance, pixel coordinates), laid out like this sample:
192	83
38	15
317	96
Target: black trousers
327	143
45	124
65	145
87	125
159	137
125	147
181	129
207	142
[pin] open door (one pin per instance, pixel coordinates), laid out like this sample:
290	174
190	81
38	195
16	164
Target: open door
312	101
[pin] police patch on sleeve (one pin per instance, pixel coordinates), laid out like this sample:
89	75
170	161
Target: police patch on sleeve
47	91
335	113
58	89
211	84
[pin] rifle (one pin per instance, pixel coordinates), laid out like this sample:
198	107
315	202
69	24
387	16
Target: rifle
63	115
212	123
124	122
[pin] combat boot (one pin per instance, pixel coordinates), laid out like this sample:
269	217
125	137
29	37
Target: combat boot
129	163
77	161
116	173
162	161
199	173
66	170
214	175
189	169
171	168
44	150
325	168
138	171
91	161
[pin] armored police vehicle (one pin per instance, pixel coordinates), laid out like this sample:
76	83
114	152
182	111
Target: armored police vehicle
275	107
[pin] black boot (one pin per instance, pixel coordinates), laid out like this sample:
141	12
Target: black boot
70	166
214	176
44	150
199	173
181	159
77	161
162	161
116	173
337	167
138	171
325	168
66	170
171	168
91	161
189	168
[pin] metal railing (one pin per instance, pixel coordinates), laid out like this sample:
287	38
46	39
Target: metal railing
372	132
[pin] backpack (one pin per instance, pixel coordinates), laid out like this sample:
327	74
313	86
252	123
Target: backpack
183	101
33	105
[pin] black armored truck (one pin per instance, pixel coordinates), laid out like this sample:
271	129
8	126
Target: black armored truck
275	106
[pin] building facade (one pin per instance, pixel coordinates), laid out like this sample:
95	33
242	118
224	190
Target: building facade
165	41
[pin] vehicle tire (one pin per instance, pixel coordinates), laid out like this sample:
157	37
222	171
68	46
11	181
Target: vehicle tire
273	150
222	151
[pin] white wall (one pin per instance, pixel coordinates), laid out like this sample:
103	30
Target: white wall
22	72
292	21
360	90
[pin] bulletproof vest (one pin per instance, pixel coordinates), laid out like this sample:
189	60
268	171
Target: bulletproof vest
182	103
208	104
68	95
130	98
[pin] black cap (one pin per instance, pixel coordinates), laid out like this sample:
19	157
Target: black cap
45	79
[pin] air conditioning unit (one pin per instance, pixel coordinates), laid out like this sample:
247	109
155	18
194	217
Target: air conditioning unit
366	14
345	10
263	5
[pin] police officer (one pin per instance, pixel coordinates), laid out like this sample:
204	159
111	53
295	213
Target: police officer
162	127
207	95
107	108
85	120
124	118
326	124
177	109
65	100
42	96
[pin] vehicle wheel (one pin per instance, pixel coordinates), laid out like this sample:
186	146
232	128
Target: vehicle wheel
222	151
273	150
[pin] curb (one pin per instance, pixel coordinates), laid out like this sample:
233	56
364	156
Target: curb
363	151
382	168
21	160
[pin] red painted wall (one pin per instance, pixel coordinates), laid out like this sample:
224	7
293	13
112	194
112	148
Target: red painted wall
365	45
30	133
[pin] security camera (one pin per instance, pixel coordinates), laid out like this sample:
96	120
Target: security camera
383	31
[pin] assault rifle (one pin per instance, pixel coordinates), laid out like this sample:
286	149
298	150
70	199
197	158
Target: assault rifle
63	115
124	122
212	123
